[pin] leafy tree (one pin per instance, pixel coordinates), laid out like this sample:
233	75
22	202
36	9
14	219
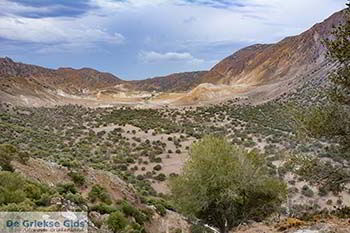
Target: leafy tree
339	53
224	185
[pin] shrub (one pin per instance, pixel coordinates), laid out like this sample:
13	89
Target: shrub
160	177
11	188
157	160
76	198
77	178
7	154
23	194
66	188
98	192
160	209
157	167
140	177
225	185
306	191
131	211
103	208
117	222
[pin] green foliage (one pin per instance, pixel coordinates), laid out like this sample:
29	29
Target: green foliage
158	167
339	52
343	212
160	209
66	188
103	208
11	188
99	193
117	222
160	177
328	176
77	178
24	206
330	121
76	198
7	154
333	120
160	204
132	211
17	193
225	185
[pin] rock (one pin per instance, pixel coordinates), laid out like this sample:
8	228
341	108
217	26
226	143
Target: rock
56	201
95	215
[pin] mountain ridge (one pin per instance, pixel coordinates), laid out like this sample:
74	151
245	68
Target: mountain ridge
263	63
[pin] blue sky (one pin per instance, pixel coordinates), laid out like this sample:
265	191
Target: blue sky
136	39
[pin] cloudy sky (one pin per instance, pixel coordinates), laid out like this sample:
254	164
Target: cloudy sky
136	39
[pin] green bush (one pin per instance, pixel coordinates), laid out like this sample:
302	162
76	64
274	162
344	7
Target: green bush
15	190
158	167
103	208
66	188
77	178
131	211
160	177
160	209
117	222
99	193
7	154
76	198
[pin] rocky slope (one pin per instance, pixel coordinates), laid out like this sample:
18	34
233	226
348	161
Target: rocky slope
171	83
52	174
269	63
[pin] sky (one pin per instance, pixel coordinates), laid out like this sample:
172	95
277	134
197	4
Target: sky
137	39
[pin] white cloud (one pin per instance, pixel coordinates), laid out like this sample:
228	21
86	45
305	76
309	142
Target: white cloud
51	30
155	57
56	32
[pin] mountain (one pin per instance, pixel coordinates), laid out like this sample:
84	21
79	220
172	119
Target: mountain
270	63
26	84
171	83
67	79
259	73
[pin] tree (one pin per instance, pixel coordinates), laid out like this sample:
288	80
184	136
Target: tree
339	53
332	121
225	185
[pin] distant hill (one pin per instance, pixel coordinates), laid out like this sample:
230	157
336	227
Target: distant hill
173	82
